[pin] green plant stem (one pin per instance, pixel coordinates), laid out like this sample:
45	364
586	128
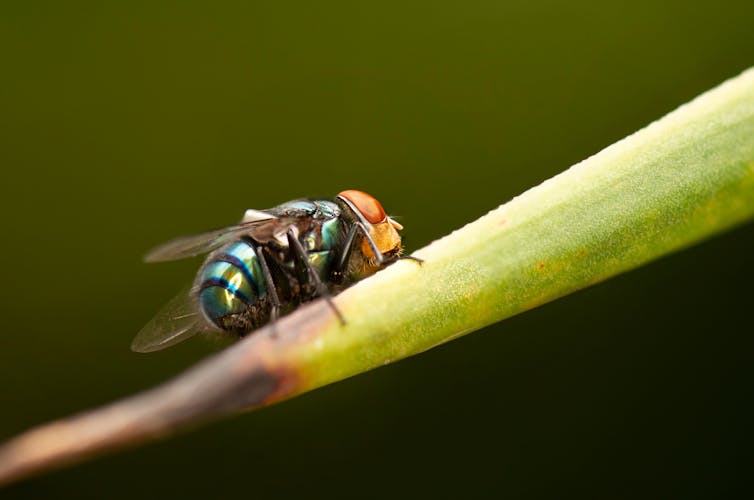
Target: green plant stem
679	180
684	178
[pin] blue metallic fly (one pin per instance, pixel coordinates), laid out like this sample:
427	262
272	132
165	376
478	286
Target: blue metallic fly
270	263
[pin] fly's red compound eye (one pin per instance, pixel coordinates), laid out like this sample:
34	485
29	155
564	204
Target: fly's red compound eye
366	204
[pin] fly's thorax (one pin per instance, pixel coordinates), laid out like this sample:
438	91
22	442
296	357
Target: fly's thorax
313	209
320	239
319	235
328	239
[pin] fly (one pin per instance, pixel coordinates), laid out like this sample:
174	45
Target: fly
270	263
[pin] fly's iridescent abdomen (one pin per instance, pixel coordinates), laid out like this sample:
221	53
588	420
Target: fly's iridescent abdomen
231	282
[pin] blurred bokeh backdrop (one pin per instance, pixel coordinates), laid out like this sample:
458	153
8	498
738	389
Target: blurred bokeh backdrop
125	124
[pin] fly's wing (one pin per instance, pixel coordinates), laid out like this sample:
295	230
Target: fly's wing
262	225
190	246
178	320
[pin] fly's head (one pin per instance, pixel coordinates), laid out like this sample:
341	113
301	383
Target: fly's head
381	233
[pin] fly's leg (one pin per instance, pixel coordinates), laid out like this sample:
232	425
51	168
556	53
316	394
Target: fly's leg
269	284
349	242
302	259
411	257
378	256
376	251
340	264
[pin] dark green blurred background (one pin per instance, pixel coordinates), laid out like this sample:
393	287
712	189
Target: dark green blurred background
122	125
